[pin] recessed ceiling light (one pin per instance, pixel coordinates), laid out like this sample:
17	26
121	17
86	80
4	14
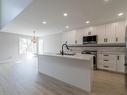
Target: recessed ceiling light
106	0
65	14
87	22
44	22
67	27
120	14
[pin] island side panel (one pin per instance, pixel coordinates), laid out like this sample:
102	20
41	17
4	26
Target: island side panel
72	71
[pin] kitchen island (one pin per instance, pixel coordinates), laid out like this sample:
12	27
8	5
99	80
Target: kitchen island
75	70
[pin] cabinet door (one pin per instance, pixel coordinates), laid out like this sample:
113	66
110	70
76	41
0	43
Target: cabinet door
110	33
120	63
90	31
65	38
120	32
93	31
79	36
100	30
99	61
72	37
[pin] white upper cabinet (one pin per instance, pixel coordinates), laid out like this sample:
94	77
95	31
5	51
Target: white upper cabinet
110	33
120	32
90	31
72	37
100	30
65	37
79	36
69	37
107	33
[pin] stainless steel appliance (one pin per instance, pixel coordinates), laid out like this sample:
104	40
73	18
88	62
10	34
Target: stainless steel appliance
92	52
90	39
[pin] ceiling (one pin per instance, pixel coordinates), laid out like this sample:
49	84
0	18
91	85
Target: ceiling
51	11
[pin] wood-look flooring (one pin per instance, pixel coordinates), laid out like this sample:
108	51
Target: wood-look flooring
108	83
22	78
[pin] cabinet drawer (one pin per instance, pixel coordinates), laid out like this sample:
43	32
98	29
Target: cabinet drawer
109	58
109	66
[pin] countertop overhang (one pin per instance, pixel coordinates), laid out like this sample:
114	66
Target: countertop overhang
77	56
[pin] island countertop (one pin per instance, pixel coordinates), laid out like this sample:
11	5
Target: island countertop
75	70
76	56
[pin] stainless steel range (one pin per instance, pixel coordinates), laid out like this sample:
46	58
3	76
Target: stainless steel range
92	52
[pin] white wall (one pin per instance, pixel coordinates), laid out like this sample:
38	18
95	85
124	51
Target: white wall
52	43
0	13
9	46
11	8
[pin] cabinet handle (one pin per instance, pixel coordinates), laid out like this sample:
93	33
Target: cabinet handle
104	39
75	41
116	39
106	60
106	55
89	33
65	42
118	57
106	66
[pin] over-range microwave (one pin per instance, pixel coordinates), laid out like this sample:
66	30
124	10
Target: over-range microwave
90	39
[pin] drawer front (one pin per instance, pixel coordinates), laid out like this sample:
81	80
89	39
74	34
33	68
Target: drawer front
107	57
109	65
110	58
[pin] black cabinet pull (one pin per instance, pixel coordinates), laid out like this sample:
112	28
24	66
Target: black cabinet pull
89	33
106	55
116	39
106	66
104	40
118	57
106	60
75	41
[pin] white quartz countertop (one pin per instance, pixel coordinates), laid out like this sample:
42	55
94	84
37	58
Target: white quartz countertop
77	56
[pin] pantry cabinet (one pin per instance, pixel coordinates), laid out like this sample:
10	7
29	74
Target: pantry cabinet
111	62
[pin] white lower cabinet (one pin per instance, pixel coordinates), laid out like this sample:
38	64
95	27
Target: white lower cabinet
111	62
120	63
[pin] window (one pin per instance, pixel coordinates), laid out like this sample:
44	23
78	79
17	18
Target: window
27	47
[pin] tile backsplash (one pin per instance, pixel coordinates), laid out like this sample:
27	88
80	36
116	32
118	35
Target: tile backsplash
100	49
